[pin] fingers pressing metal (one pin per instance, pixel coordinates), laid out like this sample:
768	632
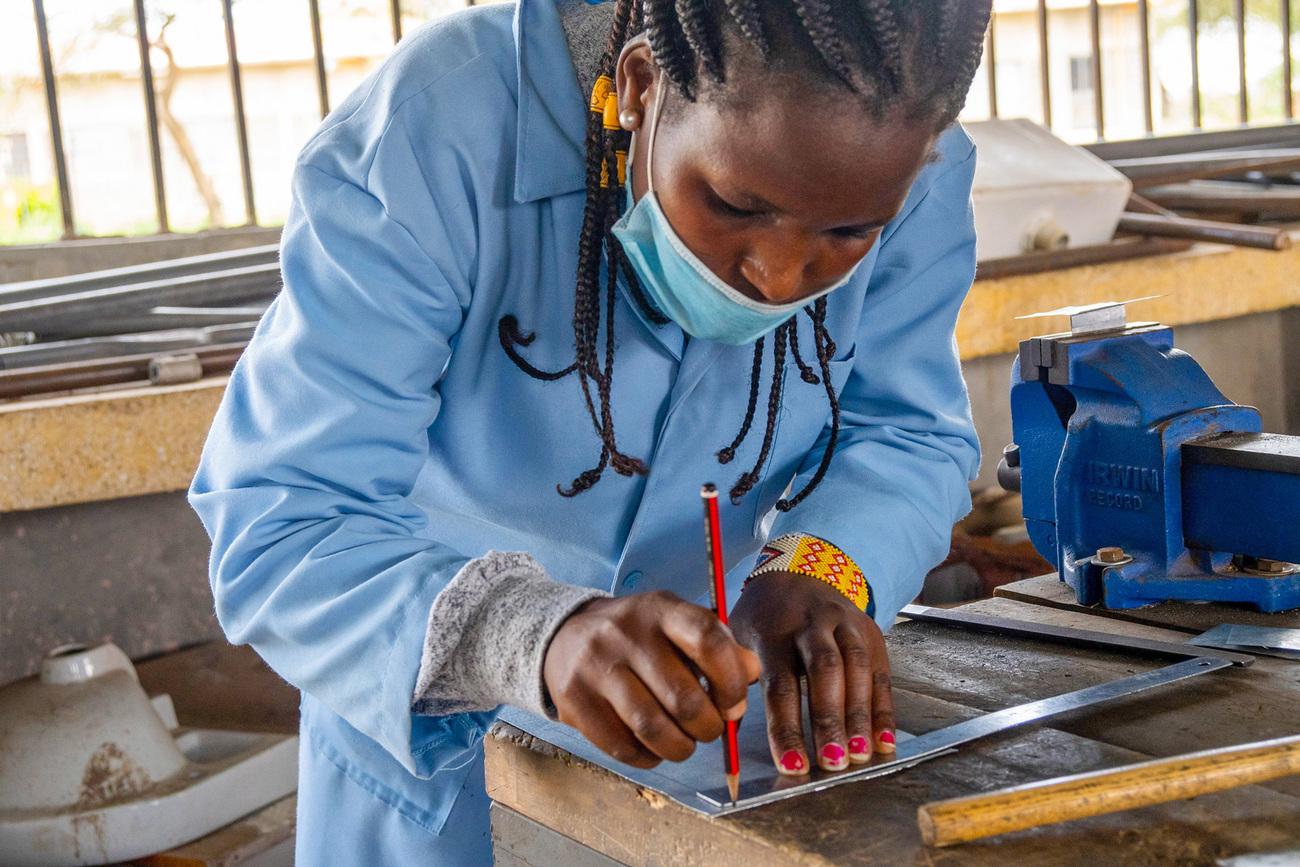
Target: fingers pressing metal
824	664
784	703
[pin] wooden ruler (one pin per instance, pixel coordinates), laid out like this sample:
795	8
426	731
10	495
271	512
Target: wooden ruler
1155	782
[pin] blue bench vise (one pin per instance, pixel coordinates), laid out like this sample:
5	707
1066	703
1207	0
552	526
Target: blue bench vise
1140	481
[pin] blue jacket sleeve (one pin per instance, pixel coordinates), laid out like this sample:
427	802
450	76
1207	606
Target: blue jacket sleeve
304	484
907	446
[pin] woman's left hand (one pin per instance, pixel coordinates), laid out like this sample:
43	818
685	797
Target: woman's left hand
801	626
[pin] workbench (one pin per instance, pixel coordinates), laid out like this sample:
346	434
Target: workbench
551	808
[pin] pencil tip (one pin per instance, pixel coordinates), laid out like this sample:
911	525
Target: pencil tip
733	786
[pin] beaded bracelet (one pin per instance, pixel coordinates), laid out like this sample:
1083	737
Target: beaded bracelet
809	555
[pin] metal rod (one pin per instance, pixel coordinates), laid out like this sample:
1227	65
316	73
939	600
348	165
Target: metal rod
1259	237
57	312
1044	64
151	117
169	268
1288	110
56	129
241	125
1094	30
395	10
1194	29
991	67
96	373
1243	95
318	51
1144	45
1118	250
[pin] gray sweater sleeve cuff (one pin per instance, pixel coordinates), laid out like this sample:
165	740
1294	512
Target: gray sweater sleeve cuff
488	633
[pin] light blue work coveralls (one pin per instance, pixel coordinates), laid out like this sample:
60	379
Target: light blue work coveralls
375	436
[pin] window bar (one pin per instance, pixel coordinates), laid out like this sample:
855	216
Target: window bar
151	116
1243	96
1094	28
241	126
1044	64
1285	10
395	9
991	66
318	51
1144	44
56	131
1194	29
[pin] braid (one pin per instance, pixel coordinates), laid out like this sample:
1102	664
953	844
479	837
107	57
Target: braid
728	454
805	372
819	21
916	55
698	28
750	21
825	348
884	27
747	481
671	50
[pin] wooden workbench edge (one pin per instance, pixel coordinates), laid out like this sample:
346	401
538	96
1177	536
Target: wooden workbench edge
594	807
1210	282
105	445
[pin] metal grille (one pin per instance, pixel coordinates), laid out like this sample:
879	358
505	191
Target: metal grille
1042	15
1196	29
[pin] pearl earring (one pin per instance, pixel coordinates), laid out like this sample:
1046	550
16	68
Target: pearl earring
629	119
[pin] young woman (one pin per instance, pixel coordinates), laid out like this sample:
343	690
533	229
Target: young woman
442	480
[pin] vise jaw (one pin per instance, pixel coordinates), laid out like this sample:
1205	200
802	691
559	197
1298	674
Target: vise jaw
1123	443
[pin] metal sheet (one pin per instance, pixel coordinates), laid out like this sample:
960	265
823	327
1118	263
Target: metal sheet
1267	641
1066	634
686	782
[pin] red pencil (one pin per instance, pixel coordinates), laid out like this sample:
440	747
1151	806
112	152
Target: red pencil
718	593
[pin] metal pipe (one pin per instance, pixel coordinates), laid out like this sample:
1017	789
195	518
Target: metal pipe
1194	29
241	125
167	269
1243	95
1259	237
97	373
318	52
1175	169
151	117
161	318
57	313
991	67
56	128
1144	40
1044	64
101	348
1094	32
395	10
1074	257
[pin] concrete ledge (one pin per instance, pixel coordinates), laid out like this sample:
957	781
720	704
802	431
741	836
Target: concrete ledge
103	446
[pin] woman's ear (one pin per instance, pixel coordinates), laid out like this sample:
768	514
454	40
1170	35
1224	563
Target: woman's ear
635	77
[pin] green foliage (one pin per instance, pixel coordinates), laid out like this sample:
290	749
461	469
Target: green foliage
30	213
36	205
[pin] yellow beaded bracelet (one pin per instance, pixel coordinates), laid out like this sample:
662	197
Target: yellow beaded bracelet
808	555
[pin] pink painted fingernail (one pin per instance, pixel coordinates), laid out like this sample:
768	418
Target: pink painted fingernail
859	748
834	758
885	742
793	763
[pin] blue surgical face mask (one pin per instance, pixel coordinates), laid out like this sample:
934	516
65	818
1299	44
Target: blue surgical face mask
678	283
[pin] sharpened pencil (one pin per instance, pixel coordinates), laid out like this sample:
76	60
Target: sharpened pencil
718	593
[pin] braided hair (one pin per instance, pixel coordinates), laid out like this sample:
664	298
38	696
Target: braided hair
913	56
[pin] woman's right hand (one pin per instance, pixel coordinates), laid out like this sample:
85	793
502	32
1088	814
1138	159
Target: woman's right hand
626	673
